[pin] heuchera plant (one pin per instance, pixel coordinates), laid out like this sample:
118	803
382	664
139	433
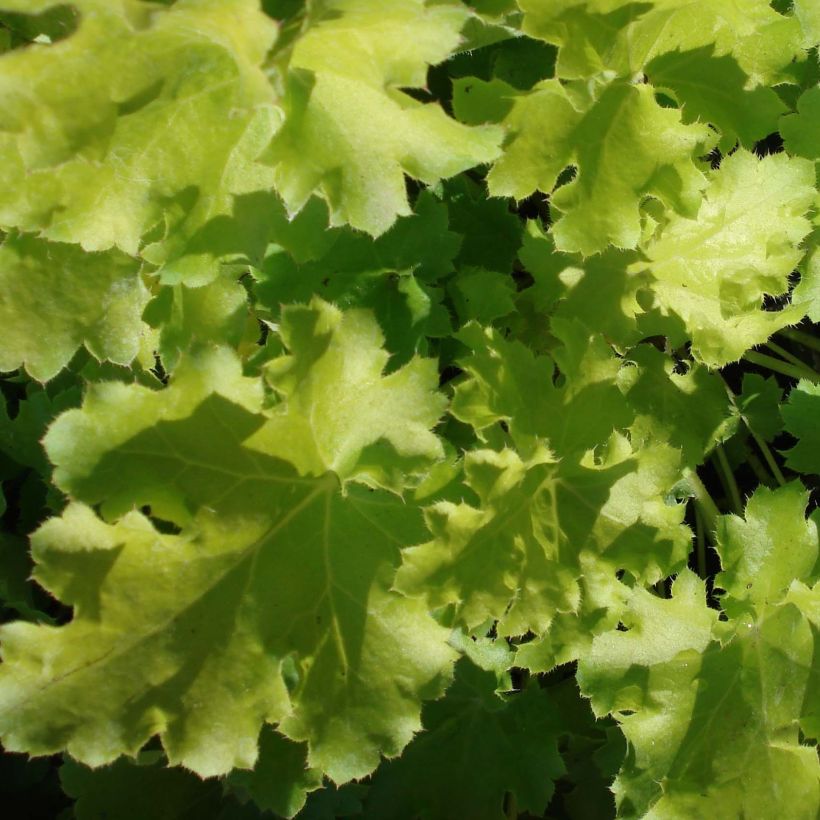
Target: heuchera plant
410	408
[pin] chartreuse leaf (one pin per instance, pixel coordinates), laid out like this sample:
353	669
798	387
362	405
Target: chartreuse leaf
477	747
339	411
146	117
55	298
273	602
800	414
216	312
762	553
351	133
637	530
540	526
713	89
623	35
807	600
508	383
714	270
625	147
600	291
808	14
711	709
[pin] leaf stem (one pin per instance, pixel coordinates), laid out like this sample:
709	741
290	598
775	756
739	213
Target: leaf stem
778	366
758	469
703	500
769	456
728	480
700	543
805	339
785	354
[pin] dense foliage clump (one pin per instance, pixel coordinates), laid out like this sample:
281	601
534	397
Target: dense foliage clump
410	409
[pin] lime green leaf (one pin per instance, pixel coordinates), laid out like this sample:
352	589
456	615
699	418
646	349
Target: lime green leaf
209	654
54	298
800	415
807	599
508	383
714	270
216	312
600	291
603	601
762	554
477	747
657	631
87	445
622	35
351	133
712	726
146	117
477	101
808	14
339	411
519	556
713	89
625	147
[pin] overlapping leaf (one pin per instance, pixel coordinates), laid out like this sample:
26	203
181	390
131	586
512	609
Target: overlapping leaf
509	384
800	415
714	270
711	710
622	36
477	747
542	524
351	133
271	604
146	118
625	147
55	298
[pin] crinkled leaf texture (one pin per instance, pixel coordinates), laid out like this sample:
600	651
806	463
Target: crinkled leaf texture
710	709
145	118
714	270
54	298
625	147
272	603
623	35
542	525
351	133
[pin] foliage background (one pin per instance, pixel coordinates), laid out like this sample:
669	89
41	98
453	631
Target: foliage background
433	382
